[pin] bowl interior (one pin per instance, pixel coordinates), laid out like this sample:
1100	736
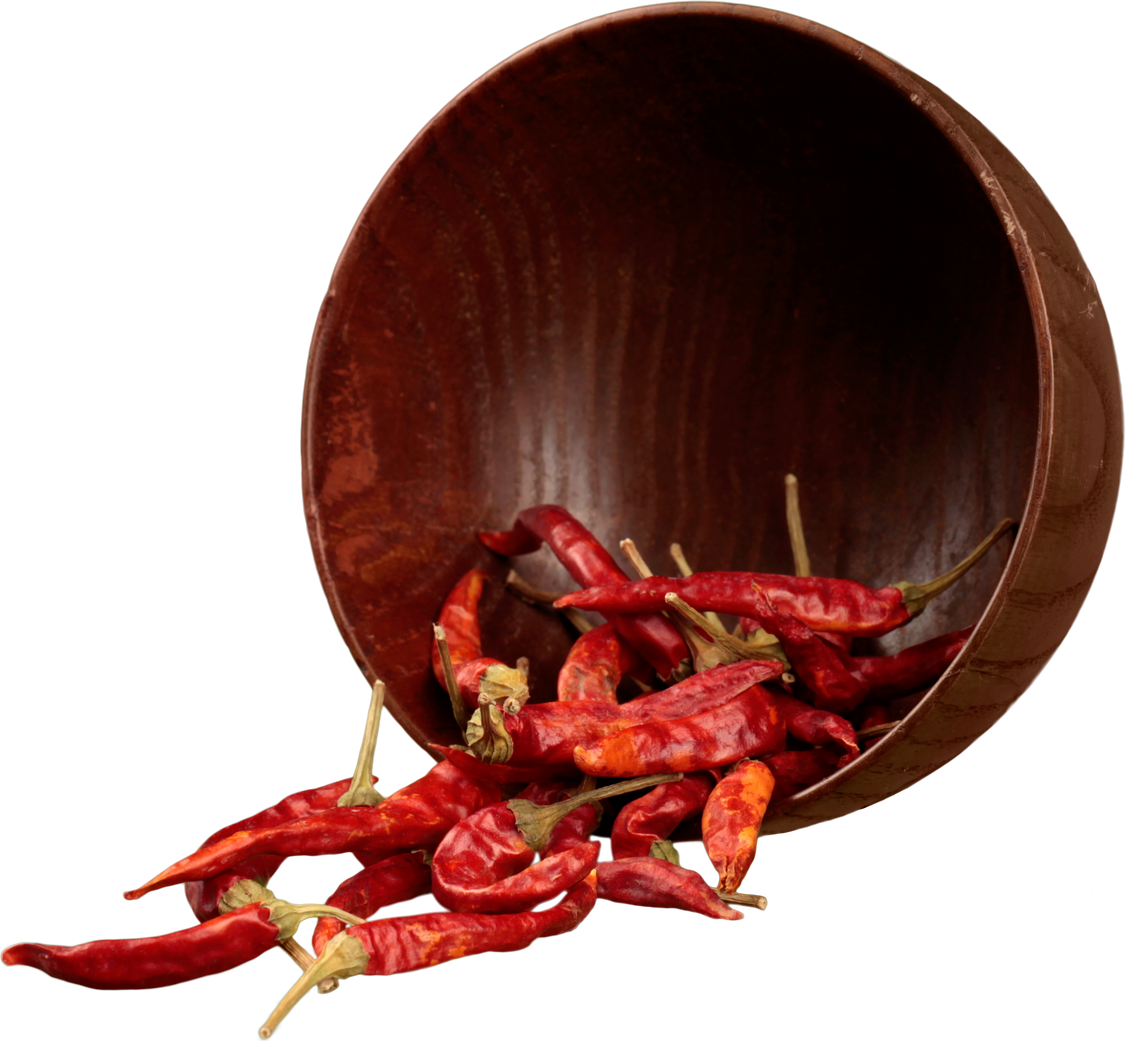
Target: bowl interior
644	269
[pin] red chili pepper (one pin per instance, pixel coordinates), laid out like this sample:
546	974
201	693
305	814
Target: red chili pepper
652	635
596	664
649	820
795	771
415	817
503	773
392	945
221	943
824	604
652	882
485	864
910	668
732	819
749	724
387	882
816	726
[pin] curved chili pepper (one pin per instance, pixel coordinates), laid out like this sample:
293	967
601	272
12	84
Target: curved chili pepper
701	692
503	773
749	724
415	817
596	664
910	668
229	939
649	633
392	945
389	881
824	604
651	882
650	819
816	726
797	770
485	863
732	819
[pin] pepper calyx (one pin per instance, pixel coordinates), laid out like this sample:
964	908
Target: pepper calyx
486	735
286	916
343	956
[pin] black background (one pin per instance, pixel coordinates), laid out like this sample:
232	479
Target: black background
187	193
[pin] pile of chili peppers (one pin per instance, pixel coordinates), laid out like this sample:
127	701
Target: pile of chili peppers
702	727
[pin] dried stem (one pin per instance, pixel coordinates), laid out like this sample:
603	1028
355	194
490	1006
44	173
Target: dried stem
686	571
877	729
362	792
457	702
797	533
743	899
741	649
629	548
540	598
342	956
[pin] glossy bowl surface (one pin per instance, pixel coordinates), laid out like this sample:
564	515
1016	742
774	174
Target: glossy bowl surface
649	265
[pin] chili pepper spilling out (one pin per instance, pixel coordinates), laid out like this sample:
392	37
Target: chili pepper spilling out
824	604
393	945
643	826
415	817
732	819
749	724
653	636
230	939
651	882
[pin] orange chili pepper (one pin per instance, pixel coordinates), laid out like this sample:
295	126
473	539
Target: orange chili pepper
732	819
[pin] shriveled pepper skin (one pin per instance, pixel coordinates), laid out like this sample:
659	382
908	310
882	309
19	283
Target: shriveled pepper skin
503	773
390	881
910	668
656	814
732	819
817	726
795	771
415	817
418	941
834	605
653	636
700	692
156	961
650	882
460	619
595	666
749	724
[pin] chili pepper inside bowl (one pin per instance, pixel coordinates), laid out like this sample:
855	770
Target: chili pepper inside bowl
651	264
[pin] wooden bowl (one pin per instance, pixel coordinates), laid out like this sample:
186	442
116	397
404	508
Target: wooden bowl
649	265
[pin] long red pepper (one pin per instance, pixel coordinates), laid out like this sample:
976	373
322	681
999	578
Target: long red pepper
595	666
652	882
650	819
816	726
221	943
393	945
913	667
415	817
653	636
824	604
732	819
749	724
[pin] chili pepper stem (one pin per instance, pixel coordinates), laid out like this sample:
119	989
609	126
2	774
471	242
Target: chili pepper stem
504	686
527	592
486	736
286	916
797	532
741	649
362	792
343	956
457	702
686	571
303	959
743	899
536	822
663	849
917	596
879	728
629	548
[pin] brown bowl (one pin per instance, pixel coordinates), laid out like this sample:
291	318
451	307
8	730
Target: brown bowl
652	263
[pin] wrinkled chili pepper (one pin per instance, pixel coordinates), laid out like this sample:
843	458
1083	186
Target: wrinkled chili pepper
387	882
473	671
749	724
221	943
485	864
824	604
392	945
652	882
415	817
910	668
596	664
732	819
643	826
795	771
653	636
502	773
816	726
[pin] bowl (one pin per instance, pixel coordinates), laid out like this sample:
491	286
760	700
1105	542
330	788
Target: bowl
649	265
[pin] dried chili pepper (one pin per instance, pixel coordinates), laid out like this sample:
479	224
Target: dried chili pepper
749	724
502	773
795	771
256	922
653	636
816	726
823	604
393	945
652	882
732	819
415	817
596	664
643	826
910	668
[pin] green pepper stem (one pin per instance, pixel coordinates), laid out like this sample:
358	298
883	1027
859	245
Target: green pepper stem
797	532
343	956
917	596
362	792
536	822
457	702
